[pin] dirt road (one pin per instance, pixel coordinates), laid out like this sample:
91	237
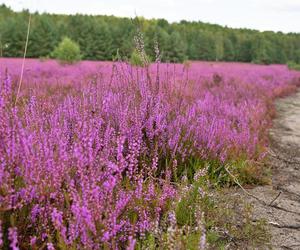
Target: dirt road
282	197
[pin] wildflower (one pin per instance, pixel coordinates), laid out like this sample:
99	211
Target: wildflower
50	246
201	192
200	173
13	238
132	242
171	231
201	227
33	240
1	234
34	212
172	219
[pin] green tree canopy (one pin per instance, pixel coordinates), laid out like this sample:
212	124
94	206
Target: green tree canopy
67	51
100	37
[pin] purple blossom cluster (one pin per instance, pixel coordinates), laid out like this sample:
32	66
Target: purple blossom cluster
89	153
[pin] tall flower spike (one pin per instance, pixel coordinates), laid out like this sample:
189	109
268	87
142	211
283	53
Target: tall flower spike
13	238
1	234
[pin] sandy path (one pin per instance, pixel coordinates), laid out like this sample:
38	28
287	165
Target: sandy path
283	215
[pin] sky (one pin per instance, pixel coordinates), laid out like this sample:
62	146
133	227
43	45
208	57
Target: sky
275	15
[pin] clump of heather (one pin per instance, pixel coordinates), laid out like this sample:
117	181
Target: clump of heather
89	156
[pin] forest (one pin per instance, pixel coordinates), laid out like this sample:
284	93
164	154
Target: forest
104	37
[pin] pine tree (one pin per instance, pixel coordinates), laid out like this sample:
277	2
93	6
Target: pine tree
43	36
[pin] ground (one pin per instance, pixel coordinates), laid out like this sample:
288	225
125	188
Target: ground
279	202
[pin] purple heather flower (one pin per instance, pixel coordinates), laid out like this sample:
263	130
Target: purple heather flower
33	240
13	238
132	242
50	246
1	234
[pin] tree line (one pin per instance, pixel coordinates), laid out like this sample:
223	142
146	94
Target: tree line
103	37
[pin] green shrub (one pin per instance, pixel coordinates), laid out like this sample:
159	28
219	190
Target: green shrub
44	58
137	59
67	51
293	65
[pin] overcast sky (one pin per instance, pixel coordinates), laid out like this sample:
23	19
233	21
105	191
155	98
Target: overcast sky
276	15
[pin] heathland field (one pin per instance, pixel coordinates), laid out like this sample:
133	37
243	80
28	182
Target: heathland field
106	155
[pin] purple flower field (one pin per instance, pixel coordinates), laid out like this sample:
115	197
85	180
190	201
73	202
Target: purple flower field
91	153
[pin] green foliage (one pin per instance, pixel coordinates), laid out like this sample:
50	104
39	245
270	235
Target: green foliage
297	56
13	36
219	47
67	51
43	37
136	59
245	171
227	220
293	66
185	211
99	37
175	49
